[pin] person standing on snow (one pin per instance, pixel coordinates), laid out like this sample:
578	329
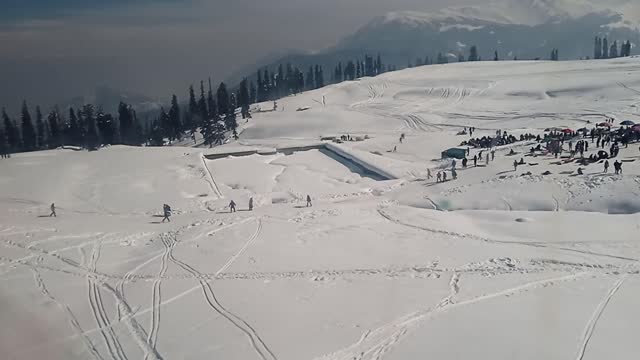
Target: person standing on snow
250	204
444	176
493	155
475	160
232	206
166	209
309	201
439	178
487	158
53	210
515	165
606	166
429	176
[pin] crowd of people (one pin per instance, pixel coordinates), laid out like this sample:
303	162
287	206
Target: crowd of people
500	139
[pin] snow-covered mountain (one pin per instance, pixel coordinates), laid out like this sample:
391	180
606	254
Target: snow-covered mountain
523	29
526	29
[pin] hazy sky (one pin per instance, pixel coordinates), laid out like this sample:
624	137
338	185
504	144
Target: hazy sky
54	49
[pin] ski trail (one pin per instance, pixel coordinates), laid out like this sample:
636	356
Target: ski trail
379	341
487	240
131	273
72	318
256	341
243	249
588	331
212	182
156	297
98	311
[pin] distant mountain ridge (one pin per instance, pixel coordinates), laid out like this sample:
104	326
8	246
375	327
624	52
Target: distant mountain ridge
526	29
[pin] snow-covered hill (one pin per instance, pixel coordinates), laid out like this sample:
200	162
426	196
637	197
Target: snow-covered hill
387	263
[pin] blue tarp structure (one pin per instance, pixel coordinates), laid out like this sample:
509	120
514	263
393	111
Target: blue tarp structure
457	153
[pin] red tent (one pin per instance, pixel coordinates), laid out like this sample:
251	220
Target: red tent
604	124
567	131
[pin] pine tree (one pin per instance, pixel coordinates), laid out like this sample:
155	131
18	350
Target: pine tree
280	84
74	134
28	132
309	80
252	93
223	99
54	127
230	122
208	131
613	52
211	103
319	77
203	112
92	139
244	98
106	127
125	117
156	137
40	130
4	146
605	49
174	120
192	115
473	54
11	132
139	133
218	133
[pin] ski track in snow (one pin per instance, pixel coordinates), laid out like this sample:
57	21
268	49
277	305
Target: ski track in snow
73	321
256	341
157	293
211	181
597	314
375	343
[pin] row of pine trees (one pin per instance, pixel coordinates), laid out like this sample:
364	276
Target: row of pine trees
290	80
90	127
602	50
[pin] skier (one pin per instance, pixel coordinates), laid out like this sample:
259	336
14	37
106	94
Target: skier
250	204
53	210
475	160
439	178
515	165
395	148
232	206
606	166
166	209
444	176
309	201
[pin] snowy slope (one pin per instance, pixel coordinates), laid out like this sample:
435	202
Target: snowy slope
497	264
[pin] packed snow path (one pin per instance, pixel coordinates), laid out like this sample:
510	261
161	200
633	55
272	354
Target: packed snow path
521	264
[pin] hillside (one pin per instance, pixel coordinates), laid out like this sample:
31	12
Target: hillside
385	263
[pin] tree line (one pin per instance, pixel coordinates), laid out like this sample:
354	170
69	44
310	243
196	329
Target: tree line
602	49
90	127
289	80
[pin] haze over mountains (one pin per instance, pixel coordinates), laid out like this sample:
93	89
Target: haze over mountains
526	29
